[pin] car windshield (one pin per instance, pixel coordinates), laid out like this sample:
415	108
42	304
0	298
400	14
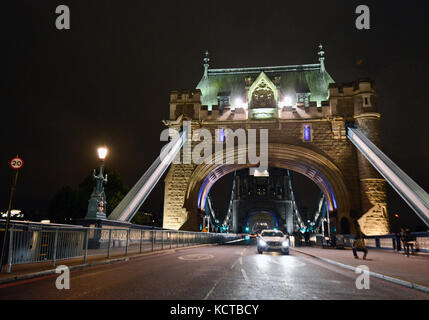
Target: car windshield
272	234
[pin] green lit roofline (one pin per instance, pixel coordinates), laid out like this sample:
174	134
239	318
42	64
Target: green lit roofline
294	68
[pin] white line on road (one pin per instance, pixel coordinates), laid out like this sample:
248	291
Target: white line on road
233	241
233	265
241	260
211	290
245	276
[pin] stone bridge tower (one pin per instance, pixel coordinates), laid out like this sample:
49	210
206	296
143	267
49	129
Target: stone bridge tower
306	114
263	198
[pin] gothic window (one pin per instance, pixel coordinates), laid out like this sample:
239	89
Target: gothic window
221	135
308	135
303	99
366	101
263	96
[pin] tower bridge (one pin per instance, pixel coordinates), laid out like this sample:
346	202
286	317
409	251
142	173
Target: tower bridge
309	119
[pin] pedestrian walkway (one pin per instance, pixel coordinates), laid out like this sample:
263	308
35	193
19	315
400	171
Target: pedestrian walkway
414	268
31	270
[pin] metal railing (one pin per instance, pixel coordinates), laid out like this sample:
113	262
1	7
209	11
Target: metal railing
393	242
49	243
387	242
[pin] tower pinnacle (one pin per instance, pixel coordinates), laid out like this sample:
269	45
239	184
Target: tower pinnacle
206	64
321	54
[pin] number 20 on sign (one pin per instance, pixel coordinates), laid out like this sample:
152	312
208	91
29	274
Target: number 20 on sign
16	163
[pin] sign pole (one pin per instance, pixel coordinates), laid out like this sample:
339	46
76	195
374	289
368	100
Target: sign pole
16	164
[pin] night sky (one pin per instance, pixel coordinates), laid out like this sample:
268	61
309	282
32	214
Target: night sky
107	80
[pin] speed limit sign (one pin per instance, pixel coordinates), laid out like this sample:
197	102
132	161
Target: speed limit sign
16	163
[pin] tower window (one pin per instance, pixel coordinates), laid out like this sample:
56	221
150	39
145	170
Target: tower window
366	102
307	133
303	99
221	135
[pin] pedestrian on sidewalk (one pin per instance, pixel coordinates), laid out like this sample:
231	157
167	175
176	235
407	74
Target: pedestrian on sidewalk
398	241
408	241
359	245
307	237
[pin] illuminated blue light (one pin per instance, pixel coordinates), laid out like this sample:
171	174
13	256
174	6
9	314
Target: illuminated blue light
221	135
307	133
335	202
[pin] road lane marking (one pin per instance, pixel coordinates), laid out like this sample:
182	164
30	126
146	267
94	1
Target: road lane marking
211	290
196	257
241	260
233	241
289	263
233	265
245	277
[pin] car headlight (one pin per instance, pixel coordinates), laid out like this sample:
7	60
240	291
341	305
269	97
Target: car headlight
262	243
285	244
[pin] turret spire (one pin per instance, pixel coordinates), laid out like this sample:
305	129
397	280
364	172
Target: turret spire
321	54
206	64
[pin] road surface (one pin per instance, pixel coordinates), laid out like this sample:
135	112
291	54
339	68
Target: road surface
233	271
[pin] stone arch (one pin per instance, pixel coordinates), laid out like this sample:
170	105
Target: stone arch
255	213
313	165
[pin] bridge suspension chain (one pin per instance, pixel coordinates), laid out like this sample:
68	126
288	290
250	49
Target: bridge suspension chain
131	203
407	188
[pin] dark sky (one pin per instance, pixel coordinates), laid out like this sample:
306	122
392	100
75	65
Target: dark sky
107	80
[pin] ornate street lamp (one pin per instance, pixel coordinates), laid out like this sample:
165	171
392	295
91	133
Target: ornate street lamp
97	202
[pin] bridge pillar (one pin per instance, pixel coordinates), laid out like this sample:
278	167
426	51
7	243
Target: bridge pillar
374	220
179	174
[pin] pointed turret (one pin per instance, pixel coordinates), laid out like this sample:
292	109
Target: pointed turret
321	54
206	64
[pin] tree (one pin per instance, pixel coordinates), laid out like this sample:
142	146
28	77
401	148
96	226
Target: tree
68	203
63	205
143	218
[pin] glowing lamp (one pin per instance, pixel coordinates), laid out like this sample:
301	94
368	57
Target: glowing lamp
239	103
287	102
102	152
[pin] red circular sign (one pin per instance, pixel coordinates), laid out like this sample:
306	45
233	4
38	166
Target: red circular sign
16	163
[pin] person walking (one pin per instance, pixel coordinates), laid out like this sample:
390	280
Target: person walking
359	245
398	241
307	237
407	241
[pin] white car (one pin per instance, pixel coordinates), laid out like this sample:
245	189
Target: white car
273	240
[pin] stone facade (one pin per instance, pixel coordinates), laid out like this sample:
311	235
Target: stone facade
354	189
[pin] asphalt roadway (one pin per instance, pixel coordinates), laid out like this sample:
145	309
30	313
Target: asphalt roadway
222	272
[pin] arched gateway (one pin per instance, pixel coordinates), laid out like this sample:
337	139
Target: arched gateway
305	114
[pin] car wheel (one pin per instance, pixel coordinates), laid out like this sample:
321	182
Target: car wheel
286	253
260	251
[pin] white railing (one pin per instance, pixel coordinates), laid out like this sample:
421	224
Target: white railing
50	244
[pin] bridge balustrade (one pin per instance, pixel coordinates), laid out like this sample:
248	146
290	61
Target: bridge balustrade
29	244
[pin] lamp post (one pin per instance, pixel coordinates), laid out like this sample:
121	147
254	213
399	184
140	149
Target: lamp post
97	202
